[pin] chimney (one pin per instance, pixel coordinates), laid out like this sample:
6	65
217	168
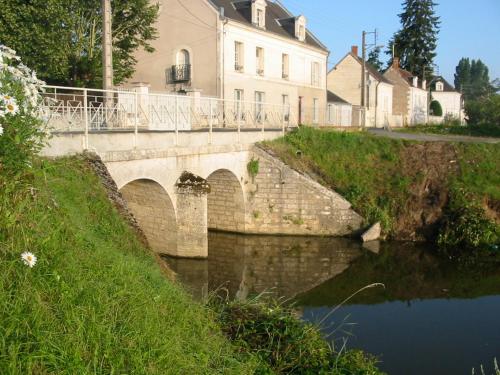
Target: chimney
395	63
354	50
424	84
415	81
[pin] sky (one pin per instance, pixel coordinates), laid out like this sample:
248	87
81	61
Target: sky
469	28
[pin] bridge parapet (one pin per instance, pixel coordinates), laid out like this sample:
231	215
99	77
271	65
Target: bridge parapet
89	111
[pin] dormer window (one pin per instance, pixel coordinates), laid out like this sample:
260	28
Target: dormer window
439	86
259	13
300	28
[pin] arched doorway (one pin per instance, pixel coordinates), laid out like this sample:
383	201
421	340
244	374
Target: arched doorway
155	213
226	203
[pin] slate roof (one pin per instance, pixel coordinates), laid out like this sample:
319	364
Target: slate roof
334	98
447	87
278	19
407	76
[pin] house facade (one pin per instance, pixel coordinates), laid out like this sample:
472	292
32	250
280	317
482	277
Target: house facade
339	112
242	51
451	100
410	95
345	81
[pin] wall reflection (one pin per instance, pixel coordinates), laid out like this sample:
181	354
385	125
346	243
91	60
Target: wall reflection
248	265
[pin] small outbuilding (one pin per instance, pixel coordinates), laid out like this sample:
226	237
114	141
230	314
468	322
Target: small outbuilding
339	111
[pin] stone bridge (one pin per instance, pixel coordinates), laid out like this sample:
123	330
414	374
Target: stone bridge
180	184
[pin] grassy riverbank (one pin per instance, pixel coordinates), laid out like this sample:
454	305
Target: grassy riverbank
450	129
96	301
407	186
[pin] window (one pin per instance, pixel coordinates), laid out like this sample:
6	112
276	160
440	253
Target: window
439	86
315	110
238	57
285	66
260	61
315	74
300	28
286	107
259	106
239	112
183	57
260	18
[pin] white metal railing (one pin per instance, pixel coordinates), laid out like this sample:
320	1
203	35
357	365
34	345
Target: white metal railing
70	109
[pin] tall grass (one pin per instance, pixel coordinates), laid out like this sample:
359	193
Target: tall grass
96	302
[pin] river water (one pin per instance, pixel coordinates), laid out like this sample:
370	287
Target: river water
432	317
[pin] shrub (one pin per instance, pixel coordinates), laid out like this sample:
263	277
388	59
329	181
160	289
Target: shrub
436	108
484	112
253	167
21	133
284	343
465	227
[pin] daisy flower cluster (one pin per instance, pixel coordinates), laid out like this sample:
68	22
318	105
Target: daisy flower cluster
19	87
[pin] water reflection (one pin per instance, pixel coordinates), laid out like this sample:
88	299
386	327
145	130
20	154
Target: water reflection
433	317
248	265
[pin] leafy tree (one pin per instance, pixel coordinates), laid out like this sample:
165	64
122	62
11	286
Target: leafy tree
415	44
462	73
62	40
473	79
374	58
436	108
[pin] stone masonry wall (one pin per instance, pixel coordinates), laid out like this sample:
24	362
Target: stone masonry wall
155	214
226	204
280	200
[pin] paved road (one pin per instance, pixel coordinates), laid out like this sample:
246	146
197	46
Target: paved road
431	137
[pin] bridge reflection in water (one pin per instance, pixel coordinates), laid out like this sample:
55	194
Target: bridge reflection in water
248	265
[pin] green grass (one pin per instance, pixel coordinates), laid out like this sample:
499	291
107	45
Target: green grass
377	175
480	169
471	130
96	302
351	163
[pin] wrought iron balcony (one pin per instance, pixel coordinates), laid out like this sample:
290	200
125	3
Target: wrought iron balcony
179	73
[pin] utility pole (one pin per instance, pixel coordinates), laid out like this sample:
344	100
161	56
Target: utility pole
365	47
107	46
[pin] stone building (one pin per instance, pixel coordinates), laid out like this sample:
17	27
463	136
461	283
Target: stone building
344	79
251	51
410	99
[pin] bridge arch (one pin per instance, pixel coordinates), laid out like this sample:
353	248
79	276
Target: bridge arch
155	213
226	202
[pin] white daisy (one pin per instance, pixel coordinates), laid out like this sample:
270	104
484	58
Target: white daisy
29	259
11	108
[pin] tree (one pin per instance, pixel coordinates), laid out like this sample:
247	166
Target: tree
374	58
462	73
436	108
62	40
473	80
415	44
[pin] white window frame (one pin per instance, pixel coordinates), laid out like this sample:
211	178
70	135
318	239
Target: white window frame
260	98
315	74
239	57
259	61
315	111
285	66
239	110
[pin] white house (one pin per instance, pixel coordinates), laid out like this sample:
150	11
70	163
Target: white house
451	100
241	51
410	95
344	79
339	111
